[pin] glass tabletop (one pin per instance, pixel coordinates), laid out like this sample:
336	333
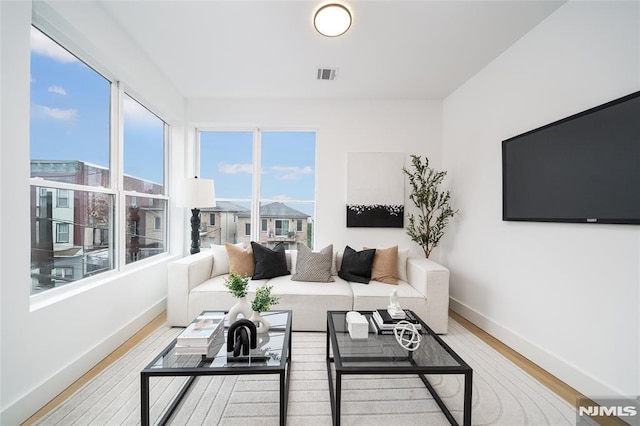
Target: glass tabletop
271	349
383	350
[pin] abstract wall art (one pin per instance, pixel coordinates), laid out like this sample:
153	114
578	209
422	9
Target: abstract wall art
375	189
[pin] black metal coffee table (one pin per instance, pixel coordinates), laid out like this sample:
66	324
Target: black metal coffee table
382	354
272	356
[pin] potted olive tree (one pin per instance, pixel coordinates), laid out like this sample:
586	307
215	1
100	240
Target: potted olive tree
262	303
434	208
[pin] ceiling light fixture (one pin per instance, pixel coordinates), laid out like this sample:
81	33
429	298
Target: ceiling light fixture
332	20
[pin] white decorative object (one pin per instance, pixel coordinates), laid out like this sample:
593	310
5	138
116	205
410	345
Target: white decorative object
407	335
357	325
262	325
394	308
243	307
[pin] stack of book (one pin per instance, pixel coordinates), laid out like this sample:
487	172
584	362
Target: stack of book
197	338
384	323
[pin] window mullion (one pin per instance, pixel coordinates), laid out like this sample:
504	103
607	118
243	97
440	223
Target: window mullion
117	180
255	204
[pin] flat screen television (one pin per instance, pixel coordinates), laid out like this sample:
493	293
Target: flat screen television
583	169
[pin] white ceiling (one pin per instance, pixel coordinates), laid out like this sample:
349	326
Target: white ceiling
395	49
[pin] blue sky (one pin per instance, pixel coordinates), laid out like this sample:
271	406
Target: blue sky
287	164
70	105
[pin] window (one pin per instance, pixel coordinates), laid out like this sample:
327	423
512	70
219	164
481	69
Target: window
281	164
282	227
144	165
63	198
145	237
74	191
63	272
212	219
62	232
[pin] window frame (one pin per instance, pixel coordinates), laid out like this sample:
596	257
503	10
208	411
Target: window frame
59	226
117	91
256	200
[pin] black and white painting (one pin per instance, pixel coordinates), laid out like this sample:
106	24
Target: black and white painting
375	189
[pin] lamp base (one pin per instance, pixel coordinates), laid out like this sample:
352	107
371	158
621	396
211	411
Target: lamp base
195	231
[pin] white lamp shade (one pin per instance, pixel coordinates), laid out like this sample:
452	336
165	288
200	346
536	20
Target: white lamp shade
196	193
332	20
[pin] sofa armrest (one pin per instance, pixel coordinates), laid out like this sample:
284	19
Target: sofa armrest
432	280
184	275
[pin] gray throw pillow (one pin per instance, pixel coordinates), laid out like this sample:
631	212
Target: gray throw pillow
313	266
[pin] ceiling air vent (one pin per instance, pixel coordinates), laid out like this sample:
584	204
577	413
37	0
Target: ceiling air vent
326	73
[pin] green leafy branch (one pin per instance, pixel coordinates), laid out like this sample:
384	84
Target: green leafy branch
427	228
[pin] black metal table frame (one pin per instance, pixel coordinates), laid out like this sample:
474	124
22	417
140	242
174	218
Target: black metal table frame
201	370
335	396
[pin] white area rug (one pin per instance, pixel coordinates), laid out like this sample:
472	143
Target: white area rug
503	394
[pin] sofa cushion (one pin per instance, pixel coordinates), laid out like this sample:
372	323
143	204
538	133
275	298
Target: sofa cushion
313	266
385	265
310	301
356	265
240	260
269	263
220	260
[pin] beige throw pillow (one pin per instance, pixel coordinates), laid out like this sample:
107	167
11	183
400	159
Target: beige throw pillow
385	266
240	260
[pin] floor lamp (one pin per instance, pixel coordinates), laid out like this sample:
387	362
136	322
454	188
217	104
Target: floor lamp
195	194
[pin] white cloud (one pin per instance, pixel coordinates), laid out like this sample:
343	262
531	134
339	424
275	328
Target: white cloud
292	172
57	89
235	168
60	114
282	197
43	45
137	115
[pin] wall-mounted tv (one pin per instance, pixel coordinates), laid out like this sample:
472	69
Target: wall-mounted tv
584	168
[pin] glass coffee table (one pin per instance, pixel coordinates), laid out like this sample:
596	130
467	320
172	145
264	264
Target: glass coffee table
381	354
271	356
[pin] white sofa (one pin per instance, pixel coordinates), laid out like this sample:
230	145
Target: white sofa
196	283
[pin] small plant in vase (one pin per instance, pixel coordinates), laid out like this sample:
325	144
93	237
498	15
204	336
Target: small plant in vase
238	286
262	303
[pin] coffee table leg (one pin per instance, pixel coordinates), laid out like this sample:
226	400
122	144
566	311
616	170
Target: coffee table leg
468	387
144	399
283	413
338	397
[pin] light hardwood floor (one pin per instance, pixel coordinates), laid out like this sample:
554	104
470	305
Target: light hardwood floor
560	388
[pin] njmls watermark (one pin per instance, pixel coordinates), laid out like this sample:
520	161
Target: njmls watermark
608	411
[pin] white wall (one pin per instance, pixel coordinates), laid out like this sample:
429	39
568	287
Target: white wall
564	295
412	127
43	350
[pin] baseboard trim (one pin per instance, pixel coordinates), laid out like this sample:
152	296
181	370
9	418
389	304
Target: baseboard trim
32	401
555	365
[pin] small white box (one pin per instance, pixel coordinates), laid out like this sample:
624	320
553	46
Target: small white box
357	325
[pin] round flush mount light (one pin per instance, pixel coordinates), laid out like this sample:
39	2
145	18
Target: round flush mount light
332	20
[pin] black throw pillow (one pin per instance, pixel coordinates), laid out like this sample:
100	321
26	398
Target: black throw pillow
268	263
356	265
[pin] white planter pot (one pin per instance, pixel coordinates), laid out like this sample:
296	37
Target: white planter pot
242	307
262	325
